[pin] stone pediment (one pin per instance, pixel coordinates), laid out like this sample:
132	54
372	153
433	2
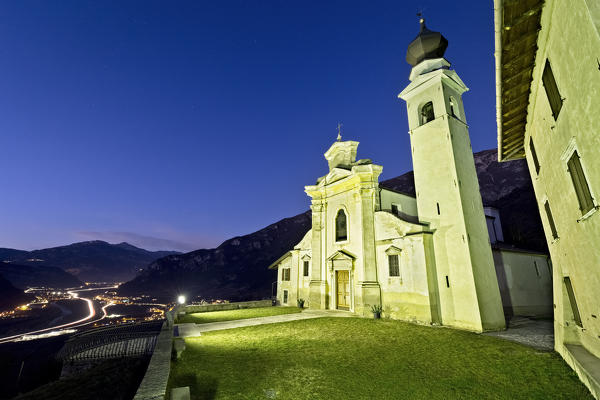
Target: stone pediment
393	250
305	243
342	255
335	175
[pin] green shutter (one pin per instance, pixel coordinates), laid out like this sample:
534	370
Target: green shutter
573	302
550	220
582	190
536	163
551	90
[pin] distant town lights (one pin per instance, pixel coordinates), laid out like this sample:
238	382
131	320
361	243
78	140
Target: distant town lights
181	299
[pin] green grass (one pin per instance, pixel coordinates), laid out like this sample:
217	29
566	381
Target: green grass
231	315
354	358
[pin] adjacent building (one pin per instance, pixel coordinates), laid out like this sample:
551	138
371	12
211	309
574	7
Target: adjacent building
548	103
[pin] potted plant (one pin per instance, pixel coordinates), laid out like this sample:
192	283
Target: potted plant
376	310
300	303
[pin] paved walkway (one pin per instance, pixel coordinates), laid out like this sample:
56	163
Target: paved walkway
190	329
534	333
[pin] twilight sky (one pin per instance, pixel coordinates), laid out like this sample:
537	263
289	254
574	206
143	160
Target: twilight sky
179	124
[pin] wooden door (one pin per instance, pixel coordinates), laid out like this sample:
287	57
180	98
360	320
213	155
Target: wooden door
343	290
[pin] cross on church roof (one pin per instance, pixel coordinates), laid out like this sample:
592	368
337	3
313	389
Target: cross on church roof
339	128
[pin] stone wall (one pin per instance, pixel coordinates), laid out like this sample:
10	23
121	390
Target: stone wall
227	306
154	384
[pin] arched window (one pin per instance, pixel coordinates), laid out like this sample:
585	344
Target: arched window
341	226
427	113
454	108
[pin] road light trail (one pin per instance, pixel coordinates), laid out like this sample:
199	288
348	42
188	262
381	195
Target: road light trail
74	324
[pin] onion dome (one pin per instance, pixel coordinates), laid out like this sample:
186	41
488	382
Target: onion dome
427	45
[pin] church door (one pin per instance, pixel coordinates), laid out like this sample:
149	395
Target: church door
343	290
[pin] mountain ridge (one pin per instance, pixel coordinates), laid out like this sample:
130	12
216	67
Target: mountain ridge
237	269
94	260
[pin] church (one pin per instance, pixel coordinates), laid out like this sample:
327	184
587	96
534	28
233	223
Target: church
425	258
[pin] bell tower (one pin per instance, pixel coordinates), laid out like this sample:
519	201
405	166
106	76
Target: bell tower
448	197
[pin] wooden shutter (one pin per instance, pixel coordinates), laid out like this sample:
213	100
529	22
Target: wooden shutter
586	203
573	302
551	90
536	163
550	220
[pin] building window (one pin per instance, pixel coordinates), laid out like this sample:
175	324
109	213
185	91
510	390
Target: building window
536	163
586	203
395	209
550	220
572	300
285	274
394	265
427	113
285	297
454	108
305	268
551	90
341	226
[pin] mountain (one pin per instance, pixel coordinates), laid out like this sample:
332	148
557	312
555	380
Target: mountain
93	261
10	296
237	269
505	186
24	276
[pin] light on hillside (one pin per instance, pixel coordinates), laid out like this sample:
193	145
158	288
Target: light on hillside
181	299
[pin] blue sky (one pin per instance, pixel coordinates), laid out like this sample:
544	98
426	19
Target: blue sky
179	124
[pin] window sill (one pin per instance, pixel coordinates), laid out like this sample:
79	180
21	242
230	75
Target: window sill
589	214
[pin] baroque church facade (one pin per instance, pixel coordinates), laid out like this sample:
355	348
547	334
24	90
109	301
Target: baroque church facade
424	258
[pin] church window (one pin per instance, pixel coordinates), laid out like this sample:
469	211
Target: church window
438	208
285	274
586	202
536	163
550	220
447	281
305	268
341	226
285	297
573	302
454	108
395	209
427	114
394	265
551	90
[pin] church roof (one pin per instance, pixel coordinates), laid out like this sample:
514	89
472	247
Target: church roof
427	45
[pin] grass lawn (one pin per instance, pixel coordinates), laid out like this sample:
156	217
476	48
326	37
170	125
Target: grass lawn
355	358
230	315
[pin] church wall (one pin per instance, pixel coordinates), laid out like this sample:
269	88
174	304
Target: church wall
407	205
448	199
290	286
435	178
405	297
525	281
348	199
574	252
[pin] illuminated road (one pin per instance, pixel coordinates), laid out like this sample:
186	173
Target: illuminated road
56	330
